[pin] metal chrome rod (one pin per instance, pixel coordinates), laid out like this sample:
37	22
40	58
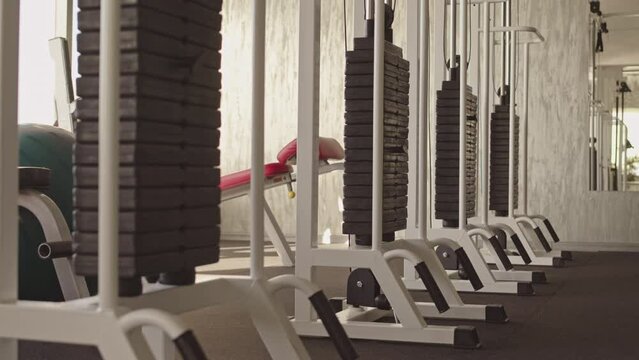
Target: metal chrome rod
424	61
524	133
462	112
502	49
109	151
511	143
378	128
257	141
452	41
485	113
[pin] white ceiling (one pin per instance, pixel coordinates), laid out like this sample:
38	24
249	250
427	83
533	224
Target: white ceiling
620	44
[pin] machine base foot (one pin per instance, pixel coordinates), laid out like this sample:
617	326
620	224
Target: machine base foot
466	337
566	255
525	289
539	277
558	262
496	314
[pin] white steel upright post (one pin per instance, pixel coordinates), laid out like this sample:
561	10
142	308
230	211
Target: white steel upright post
485	111
109	151
378	126
64	22
307	147
524	134
511	143
257	141
424	43
9	30
463	7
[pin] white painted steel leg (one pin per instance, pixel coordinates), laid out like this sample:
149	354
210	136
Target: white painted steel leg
9	30
307	147
277	237
109	150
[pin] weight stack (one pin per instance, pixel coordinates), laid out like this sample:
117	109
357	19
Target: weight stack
169	140
499	150
447	153
358	132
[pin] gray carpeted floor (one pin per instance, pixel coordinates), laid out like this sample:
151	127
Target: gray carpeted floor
588	310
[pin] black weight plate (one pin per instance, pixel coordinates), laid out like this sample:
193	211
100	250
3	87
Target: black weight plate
454	189
201	237
169	6
443	215
447	114
145	86
143	221
366	93
353	216
132	266
139	154
367	43
134	132
137	109
366	81
367	131
201	256
200	116
452	146
201	176
362	228
201	217
367	203
453	172
138	198
441	206
454	85
132	244
366	117
367	56
367	155
202	156
366	167
201	136
367	179
138	176
454	94
368	68
137	17
367	143
367	191
163	67
201	196
452	181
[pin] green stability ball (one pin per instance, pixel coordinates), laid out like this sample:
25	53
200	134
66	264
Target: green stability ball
52	148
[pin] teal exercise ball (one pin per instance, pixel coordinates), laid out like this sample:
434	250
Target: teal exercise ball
52	148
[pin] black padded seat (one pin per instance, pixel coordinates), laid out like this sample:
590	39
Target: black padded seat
34	177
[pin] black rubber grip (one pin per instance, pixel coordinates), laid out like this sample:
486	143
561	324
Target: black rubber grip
521	249
333	326
432	287
189	347
542	239
465	262
55	250
551	230
501	253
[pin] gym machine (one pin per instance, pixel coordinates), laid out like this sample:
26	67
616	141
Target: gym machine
374	290
453	193
518	227
111	323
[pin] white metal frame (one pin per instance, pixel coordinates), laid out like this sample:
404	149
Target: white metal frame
494	281
359	322
106	321
522	225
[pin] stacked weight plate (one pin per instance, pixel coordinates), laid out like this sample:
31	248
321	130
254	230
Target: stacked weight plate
499	150
447	153
358	132
169	135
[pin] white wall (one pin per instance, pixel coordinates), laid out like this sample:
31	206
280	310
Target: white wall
559	133
36	68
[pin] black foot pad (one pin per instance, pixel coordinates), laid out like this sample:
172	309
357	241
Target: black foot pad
178	278
525	289
466	337
539	277
496	314
566	255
